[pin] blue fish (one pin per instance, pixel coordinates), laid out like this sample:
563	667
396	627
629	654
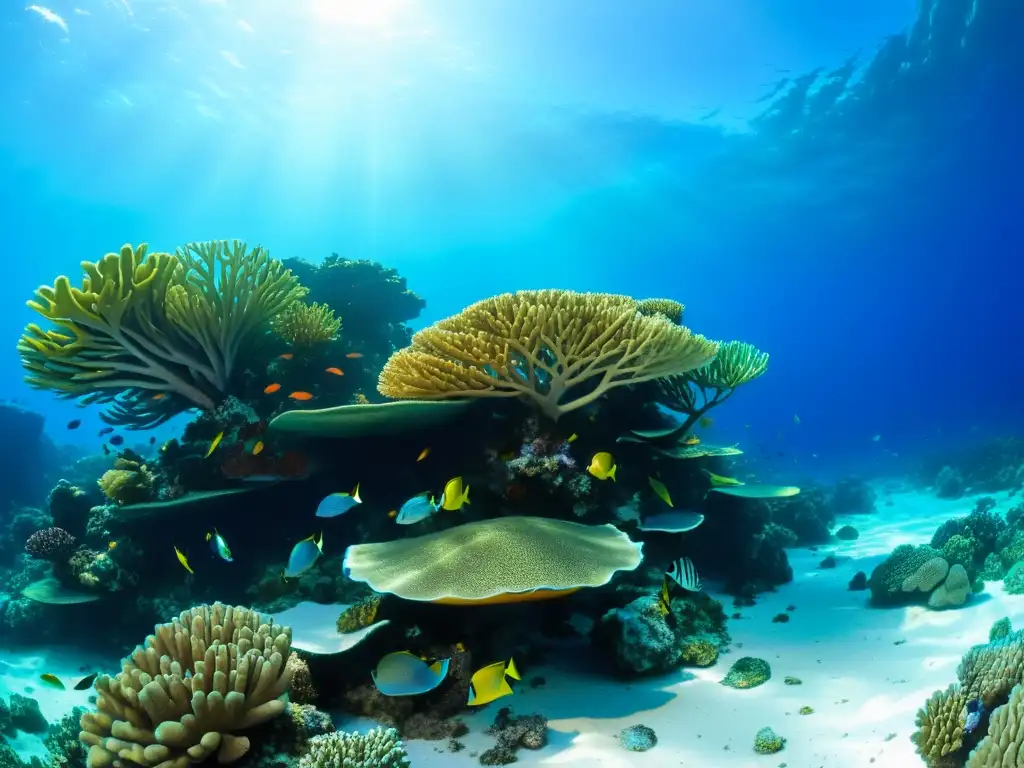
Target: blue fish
304	556
339	503
418	508
406	674
975	711
218	545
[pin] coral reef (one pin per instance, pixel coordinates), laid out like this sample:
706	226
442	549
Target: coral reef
62	742
377	748
302	690
25	714
995	464
306	325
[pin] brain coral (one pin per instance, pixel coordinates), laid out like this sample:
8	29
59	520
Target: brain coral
927	577
953	591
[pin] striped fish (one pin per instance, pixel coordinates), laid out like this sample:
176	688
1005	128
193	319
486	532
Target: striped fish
685	575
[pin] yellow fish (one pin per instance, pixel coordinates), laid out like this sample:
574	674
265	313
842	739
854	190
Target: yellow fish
489	683
719	480
664	598
184	561
572	438
214	444
706	421
660	489
111	545
602	466
454	495
52	680
258	448
692	440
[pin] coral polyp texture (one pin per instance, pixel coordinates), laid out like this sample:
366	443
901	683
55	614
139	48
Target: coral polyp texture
183	695
153	334
306	325
669	308
560	349
50	544
377	748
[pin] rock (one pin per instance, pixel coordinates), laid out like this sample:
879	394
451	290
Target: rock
25	714
847	533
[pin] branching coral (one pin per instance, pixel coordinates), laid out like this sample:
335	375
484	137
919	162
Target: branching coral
153	334
561	349
669	308
306	325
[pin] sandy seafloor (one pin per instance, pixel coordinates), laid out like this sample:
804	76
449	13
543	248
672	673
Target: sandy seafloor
865	672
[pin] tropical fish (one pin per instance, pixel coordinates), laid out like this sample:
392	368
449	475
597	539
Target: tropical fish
692	440
706	421
152	439
271	388
572	438
183	560
159	396
975	711
52	681
684	573
214	444
258	448
664	598
339	503
105	431
796	419
415	510
335	370
720	480
455	495
354	355
86	682
679	521
74	424
111	545
602	466
406	674
287	356
301	396
423	454
218	545
660	489
489	683
117	440
304	556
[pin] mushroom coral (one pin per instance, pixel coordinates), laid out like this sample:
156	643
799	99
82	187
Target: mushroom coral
504	559
154	334
561	349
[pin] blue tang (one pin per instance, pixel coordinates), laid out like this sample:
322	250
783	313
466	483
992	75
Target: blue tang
304	556
418	508
339	503
406	674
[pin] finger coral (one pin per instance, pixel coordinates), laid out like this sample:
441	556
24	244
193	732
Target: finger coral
561	349
153	334
181	697
306	325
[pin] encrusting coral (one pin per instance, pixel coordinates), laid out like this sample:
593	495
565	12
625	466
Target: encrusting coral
560	349
181	696
153	334
305	325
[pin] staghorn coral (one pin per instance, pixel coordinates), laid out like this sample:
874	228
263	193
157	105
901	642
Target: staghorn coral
560	349
181	695
51	544
306	325
153	334
129	482
668	308
377	748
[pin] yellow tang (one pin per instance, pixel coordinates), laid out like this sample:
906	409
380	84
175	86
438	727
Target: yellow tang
183	560
660	489
720	480
52	680
489	684
602	466
214	444
454	495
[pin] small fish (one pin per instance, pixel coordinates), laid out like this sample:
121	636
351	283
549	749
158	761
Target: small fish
183	560
52	681
706	422
335	370
304	556
975	711
796	419
271	388
423	454
692	440
572	438
213	445
74	424
301	396
117	440
339	503
160	396
683	573
86	682
354	355
405	674
393	513
152	440
603	466
258	448
105	431
664	598
219	546
111	545
415	510
455	495
489	683
460	647
287	356
660	489
720	480
106	450
876	438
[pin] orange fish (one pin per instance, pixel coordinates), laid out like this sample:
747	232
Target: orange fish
287	356
354	355
301	396
335	371
271	388
160	396
258	448
423	454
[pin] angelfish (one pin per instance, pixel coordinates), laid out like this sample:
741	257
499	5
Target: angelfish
218	545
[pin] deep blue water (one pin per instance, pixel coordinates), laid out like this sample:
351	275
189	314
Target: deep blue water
862	225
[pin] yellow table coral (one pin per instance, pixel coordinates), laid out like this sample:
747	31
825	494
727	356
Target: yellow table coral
561	349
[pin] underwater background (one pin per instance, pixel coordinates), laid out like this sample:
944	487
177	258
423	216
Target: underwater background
837	184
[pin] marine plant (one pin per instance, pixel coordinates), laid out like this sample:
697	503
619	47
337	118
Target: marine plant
306	325
561	350
153	334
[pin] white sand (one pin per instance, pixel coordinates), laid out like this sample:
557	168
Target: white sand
864	688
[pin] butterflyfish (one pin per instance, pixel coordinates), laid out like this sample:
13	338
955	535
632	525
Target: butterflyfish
339	503
415	510
213	445
335	371
489	683
304	556
664	598
720	480
684	573
218	545
301	396
184	561
86	682
271	388
455	495
405	674
659	488
111	545
602	466
52	681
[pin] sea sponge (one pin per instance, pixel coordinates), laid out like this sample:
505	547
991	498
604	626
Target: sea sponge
377	748
953	591
1004	744
504	559
669	308
306	325
561	349
927	577
748	672
181	696
302	690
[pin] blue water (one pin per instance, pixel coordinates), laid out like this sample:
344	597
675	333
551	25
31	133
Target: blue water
863	231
